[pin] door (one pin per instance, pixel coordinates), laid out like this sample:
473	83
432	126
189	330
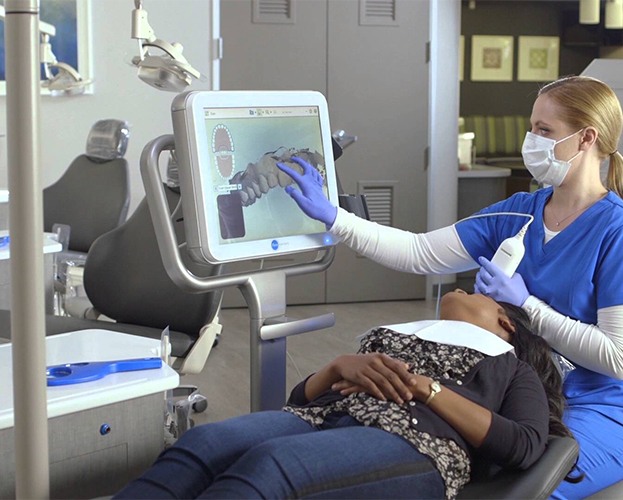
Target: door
368	57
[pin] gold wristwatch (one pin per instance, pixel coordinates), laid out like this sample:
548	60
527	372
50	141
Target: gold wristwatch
435	388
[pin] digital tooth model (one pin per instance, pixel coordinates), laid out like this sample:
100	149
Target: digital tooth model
247	186
258	178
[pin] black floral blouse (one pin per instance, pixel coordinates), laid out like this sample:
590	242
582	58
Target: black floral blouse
437	361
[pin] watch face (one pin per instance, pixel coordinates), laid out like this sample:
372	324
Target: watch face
435	388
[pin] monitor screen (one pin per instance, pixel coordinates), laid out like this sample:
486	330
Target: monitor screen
228	144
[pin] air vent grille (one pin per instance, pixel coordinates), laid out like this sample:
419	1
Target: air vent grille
380	201
377	13
274	11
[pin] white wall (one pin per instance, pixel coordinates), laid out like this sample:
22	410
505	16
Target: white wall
118	93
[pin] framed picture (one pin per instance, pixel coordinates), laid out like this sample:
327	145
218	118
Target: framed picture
71	44
461	58
492	58
538	58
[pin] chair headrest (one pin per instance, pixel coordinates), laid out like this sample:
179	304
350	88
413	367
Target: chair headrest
108	140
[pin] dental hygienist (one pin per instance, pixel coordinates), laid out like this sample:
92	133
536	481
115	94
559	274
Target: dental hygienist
570	280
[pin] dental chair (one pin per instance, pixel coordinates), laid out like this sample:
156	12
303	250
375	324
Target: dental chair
91	198
93	195
125	281
537	482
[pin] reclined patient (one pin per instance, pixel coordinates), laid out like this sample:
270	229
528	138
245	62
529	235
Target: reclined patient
407	416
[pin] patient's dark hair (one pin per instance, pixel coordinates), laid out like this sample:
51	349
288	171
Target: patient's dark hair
535	351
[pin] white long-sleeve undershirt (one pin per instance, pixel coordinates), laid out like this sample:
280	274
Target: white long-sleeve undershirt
596	347
436	252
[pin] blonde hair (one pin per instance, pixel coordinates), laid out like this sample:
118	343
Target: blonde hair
588	102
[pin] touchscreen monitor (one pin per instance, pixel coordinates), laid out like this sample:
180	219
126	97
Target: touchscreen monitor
227	145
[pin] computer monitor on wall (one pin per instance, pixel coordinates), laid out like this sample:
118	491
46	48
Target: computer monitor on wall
227	145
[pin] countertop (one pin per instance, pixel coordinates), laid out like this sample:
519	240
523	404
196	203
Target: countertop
483	171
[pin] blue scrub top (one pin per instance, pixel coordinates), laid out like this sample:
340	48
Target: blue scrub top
577	272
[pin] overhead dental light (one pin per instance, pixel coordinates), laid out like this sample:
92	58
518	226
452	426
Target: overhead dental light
169	70
61	79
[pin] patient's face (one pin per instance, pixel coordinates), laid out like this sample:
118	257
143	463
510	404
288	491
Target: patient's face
477	309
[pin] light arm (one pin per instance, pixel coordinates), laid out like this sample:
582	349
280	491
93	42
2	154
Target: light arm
170	71
67	80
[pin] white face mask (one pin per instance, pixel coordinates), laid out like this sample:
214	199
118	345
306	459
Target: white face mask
538	156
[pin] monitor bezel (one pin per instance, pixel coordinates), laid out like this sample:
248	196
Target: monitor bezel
193	157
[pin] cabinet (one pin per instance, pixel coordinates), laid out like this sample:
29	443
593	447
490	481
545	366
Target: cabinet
369	59
101	434
480	187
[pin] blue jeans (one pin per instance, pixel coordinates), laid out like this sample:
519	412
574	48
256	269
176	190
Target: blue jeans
275	454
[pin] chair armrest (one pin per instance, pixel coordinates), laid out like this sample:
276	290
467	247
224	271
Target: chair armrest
538	481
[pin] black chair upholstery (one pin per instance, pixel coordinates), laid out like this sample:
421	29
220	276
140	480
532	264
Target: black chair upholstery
125	279
92	198
537	482
93	195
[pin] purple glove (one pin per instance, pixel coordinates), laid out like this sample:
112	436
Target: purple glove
491	281
310	198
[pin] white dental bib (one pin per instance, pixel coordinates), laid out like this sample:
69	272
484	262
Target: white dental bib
453	332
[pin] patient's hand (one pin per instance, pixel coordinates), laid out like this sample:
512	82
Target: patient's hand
376	374
418	385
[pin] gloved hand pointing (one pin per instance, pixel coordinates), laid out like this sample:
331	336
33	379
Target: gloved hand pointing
491	281
310	198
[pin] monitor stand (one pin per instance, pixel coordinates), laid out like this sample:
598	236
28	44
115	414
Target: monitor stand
264	291
269	328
